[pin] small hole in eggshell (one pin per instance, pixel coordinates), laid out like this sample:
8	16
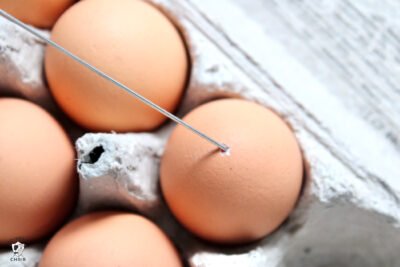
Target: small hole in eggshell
226	153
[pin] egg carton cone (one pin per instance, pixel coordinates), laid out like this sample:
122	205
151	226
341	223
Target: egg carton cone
348	213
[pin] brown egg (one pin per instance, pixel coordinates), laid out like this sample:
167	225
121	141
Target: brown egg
129	40
110	239
237	197
38	183
39	13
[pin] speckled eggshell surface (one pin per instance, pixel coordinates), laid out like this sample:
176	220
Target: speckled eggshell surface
110	239
131	41
234	198
39	13
38	181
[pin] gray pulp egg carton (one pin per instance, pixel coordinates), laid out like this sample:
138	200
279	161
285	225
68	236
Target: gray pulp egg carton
349	211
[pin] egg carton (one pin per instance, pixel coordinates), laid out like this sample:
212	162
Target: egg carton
348	213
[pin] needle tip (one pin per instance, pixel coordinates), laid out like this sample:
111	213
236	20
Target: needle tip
225	150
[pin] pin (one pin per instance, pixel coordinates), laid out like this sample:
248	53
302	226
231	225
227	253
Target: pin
223	147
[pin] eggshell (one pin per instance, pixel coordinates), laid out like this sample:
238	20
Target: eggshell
237	197
38	182
110	239
39	13
129	40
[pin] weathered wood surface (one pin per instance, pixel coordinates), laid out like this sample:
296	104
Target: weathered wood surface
352	47
331	70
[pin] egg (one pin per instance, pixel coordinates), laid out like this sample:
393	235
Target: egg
110	239
39	13
236	196
131	41
38	182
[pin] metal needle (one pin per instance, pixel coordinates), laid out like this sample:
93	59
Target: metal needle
223	147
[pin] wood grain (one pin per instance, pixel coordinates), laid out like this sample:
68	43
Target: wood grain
352	47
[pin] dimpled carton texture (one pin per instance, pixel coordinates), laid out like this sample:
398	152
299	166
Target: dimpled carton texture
349	210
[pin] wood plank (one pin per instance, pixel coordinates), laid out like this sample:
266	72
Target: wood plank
352	47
